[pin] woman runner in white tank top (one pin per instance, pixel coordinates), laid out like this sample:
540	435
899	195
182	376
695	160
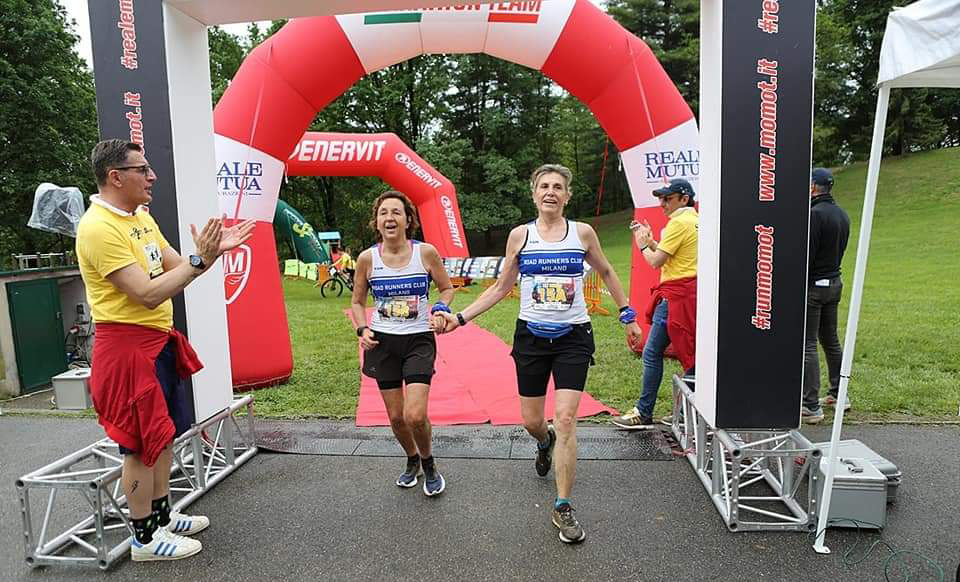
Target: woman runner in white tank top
553	334
399	346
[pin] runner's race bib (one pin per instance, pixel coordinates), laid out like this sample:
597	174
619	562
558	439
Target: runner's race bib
551	293
400	308
154	259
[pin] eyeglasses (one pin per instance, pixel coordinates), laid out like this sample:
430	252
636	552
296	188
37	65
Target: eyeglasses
145	169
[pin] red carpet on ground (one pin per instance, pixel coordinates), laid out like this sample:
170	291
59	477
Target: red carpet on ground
475	383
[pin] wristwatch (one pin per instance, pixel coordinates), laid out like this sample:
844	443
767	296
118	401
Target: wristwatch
197	262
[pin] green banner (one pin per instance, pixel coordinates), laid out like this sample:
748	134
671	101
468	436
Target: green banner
301	235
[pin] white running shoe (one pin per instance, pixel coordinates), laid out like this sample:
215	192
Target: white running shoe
164	546
187	525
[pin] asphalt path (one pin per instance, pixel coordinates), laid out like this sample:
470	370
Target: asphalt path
307	517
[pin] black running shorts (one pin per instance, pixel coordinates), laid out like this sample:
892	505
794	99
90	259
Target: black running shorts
401	358
567	357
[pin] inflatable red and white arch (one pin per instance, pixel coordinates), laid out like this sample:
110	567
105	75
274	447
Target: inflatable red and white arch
285	81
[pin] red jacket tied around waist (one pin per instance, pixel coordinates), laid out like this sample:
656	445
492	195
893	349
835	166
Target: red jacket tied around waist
681	295
124	387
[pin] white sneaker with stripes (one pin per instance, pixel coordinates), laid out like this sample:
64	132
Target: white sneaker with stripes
164	546
187	525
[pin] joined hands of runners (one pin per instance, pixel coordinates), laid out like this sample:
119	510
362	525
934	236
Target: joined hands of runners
443	322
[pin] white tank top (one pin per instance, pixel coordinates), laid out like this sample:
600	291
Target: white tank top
400	296
551	278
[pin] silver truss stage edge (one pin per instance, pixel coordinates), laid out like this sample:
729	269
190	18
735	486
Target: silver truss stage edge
202	457
753	476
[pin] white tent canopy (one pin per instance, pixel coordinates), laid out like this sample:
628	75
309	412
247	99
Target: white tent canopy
921	48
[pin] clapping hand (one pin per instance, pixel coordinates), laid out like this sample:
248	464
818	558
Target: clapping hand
207	241
642	233
235	235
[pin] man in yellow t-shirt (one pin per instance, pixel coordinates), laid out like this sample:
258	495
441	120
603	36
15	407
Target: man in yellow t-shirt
131	272
676	257
346	265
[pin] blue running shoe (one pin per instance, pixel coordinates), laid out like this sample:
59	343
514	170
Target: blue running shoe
408	478
433	484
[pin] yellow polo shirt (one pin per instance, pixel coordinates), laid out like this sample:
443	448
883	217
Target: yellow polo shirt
679	240
108	239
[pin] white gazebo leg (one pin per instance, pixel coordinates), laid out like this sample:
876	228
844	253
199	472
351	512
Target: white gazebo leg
853	316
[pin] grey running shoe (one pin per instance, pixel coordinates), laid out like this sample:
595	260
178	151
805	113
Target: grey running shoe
831	400
408	478
633	420
809	416
545	456
570	530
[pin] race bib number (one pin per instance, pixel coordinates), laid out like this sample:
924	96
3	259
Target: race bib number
553	293
399	308
154	259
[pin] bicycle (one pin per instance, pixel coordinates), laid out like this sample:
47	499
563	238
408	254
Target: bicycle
335	284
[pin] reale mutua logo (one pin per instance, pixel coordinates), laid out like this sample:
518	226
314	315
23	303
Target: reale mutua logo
234	177
665	165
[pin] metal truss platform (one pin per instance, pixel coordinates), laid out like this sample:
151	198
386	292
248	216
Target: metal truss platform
754	477
85	520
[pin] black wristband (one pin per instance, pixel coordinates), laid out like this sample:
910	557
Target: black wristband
461	320
624	308
360	330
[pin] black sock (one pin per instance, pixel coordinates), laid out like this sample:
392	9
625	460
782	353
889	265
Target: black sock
428	466
143	528
161	509
413	460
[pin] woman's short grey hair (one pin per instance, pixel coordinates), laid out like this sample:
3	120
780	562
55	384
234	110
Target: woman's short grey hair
551	169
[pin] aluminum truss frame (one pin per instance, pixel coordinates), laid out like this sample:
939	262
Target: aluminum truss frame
753	476
202	457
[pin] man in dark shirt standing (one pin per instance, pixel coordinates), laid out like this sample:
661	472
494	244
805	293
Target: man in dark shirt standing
829	231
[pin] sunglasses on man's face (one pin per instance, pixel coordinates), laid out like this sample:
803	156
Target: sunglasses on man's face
145	169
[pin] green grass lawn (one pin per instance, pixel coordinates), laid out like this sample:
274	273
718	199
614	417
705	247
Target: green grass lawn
906	364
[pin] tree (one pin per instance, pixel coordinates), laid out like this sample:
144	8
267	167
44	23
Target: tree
671	28
226	55
849	36
48	122
502	112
